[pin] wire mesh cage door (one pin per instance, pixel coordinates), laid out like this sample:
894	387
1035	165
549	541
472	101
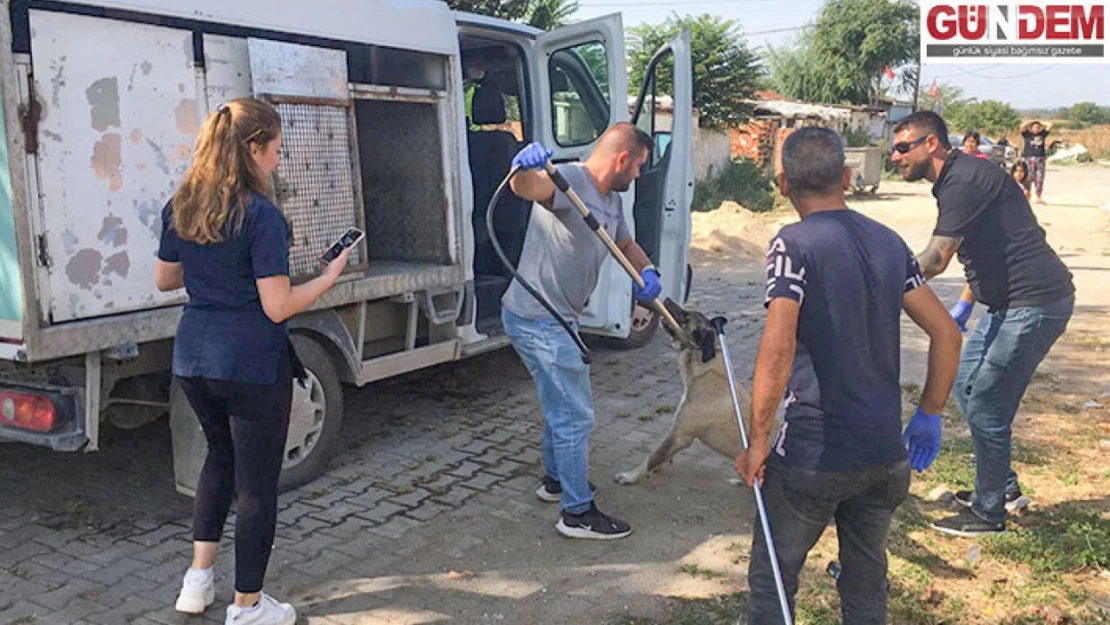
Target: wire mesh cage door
315	183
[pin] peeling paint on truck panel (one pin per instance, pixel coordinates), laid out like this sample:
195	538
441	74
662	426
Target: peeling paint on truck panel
126	113
11	285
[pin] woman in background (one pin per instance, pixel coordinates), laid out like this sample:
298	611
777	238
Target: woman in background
971	145
226	242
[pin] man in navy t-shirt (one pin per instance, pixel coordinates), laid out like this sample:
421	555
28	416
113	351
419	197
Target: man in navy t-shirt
837	283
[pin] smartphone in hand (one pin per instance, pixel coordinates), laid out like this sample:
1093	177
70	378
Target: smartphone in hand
349	239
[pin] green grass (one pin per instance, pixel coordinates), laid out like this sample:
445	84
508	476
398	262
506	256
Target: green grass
1091	339
1043	376
1067	540
693	570
953	466
316	494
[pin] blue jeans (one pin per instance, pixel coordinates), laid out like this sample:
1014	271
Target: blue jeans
563	385
998	361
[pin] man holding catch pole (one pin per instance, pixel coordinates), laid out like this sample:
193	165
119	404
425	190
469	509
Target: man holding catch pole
837	283
561	260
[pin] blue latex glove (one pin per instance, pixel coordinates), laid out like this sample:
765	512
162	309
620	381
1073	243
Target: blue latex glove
652	286
960	312
922	439
533	156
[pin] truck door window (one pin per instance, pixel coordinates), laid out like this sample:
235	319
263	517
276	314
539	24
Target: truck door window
579	93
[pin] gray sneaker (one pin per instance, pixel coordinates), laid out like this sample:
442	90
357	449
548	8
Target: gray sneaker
967	524
1014	500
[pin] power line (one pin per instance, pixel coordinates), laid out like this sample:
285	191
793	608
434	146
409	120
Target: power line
774	30
1022	75
962	72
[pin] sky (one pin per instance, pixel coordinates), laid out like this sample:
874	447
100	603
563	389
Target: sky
1022	86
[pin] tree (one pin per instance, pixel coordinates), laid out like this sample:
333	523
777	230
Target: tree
505	9
950	97
989	116
843	56
550	14
544	14
726	71
1089	113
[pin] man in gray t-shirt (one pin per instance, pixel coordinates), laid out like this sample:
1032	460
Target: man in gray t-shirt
562	257
561	260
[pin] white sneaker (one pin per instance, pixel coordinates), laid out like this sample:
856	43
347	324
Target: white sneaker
198	591
267	612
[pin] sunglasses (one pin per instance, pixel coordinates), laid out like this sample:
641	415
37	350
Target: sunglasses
906	146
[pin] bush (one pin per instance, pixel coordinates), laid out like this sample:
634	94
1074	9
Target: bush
740	181
857	138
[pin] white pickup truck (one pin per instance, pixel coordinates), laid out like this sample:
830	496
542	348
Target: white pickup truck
399	117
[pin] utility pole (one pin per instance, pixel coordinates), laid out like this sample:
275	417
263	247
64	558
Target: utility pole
917	87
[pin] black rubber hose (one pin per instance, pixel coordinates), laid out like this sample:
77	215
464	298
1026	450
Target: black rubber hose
524	283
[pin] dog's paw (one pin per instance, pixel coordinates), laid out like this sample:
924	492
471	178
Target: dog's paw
628	477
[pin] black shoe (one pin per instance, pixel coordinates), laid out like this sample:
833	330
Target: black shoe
593	524
968	525
1014	500
550	490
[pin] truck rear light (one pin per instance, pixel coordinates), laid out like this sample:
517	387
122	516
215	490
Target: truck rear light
27	411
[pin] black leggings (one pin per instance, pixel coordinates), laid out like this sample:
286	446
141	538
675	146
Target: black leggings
246	426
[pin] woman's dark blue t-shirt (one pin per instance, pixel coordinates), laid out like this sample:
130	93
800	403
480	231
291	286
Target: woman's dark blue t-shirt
224	333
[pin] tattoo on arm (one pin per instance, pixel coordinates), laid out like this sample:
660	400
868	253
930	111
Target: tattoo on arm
936	256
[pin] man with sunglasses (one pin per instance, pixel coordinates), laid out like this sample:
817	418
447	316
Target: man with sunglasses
985	219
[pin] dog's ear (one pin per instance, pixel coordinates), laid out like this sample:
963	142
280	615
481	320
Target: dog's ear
707	340
678	312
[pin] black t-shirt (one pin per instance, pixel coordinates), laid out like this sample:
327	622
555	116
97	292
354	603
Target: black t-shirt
843	403
1006	258
1034	143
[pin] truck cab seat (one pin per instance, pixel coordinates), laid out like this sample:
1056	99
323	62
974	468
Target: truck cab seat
491	153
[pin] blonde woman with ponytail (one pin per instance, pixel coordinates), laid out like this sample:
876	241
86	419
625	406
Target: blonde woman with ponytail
227	244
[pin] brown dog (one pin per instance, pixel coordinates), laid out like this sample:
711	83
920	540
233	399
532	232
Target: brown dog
705	412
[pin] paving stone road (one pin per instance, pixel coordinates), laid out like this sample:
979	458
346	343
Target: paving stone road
434	472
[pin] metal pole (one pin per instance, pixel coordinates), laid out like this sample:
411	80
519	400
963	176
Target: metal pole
719	324
615	251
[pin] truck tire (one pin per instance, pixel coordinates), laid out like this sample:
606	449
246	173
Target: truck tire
645	322
315	416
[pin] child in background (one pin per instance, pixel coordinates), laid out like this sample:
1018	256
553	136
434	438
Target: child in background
1020	172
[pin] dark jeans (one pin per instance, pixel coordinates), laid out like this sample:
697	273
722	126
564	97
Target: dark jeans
800	504
246	426
998	361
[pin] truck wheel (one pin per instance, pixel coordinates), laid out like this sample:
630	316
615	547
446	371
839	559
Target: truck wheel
315	416
645	322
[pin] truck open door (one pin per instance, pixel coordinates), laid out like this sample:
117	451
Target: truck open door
665	189
583	89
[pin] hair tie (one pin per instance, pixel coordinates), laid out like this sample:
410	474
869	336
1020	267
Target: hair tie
224	108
